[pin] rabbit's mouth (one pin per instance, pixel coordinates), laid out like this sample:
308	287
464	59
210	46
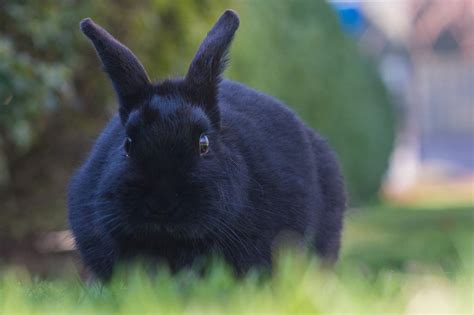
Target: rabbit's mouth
160	221
172	228
175	222
156	229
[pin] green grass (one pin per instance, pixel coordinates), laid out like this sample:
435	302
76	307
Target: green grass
393	261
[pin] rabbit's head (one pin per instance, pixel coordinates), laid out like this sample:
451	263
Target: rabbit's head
170	171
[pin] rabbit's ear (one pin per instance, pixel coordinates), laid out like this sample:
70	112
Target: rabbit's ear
209	62
127	74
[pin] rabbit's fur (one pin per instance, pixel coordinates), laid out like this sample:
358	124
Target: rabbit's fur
265	175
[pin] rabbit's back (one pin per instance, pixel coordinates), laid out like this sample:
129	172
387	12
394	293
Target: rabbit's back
293	167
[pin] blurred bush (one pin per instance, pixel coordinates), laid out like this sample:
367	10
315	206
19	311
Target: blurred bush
54	101
294	50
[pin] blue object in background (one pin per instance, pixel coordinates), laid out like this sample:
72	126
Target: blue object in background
351	17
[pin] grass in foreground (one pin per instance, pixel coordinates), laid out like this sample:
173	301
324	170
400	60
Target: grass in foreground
393	261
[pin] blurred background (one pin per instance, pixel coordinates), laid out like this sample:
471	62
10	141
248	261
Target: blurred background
389	83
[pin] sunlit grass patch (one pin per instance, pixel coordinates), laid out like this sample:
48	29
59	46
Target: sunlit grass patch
299	285
393	261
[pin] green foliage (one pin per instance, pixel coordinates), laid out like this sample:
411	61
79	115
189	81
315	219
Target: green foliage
428	269
295	51
36	49
410	238
393	261
298	288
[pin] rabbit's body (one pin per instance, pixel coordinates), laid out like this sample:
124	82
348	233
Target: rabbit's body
265	178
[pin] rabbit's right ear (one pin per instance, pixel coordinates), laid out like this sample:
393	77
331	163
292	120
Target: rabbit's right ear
129	78
204	73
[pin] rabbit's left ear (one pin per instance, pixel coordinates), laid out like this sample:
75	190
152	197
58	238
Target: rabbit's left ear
129	78
204	73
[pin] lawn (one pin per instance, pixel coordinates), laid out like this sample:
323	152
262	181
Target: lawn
394	260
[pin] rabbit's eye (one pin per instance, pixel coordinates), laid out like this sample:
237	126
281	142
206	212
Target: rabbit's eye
203	144
127	145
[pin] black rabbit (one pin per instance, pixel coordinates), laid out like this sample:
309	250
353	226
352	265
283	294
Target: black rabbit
197	166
